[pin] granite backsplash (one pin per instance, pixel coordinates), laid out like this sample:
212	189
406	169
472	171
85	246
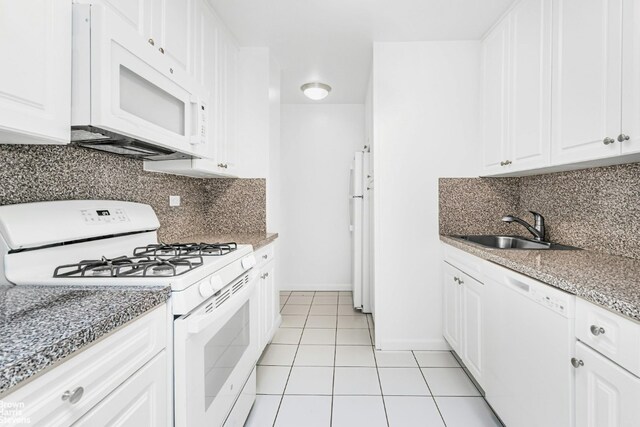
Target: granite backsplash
30	173
597	209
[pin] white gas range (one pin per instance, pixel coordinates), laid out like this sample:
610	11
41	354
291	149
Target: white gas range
111	243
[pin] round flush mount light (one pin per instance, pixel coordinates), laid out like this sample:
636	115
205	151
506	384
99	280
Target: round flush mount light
316	90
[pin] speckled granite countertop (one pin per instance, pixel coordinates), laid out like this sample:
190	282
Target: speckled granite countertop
257	240
607	280
43	324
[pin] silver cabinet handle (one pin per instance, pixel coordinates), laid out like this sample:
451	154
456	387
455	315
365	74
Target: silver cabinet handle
265	256
161	50
506	163
73	396
151	42
597	330
622	137
576	362
221	165
457	279
608	141
264	276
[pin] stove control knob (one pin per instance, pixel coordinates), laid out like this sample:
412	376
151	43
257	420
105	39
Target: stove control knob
248	262
216	283
206	290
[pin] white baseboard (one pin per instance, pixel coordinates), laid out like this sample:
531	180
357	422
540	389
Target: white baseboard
317	287
418	345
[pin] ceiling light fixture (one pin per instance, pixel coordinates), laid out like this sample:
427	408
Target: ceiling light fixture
316	90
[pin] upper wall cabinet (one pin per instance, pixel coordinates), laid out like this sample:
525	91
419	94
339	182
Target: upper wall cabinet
35	79
517	90
587	79
171	30
573	97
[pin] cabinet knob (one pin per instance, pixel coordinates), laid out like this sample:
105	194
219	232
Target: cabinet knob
151	42
576	362
171	70
161	50
73	396
608	141
265	256
622	137
505	163
597	330
220	165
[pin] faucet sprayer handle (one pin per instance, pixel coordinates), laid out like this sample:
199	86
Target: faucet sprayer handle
537	217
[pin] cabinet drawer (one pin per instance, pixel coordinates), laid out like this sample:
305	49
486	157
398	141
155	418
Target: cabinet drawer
470	264
98	371
265	254
614	336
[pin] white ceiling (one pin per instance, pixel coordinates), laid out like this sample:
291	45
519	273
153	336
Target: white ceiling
331	40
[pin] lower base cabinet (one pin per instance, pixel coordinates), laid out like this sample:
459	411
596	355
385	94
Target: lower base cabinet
140	401
122	380
606	394
269	295
463	317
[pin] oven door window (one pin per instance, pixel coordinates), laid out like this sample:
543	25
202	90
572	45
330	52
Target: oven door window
223	352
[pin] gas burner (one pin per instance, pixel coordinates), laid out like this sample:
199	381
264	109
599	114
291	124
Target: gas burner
185	249
136	266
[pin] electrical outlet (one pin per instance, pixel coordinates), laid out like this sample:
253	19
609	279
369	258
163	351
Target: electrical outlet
174	201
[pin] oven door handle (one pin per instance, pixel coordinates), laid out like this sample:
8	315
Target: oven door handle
197	324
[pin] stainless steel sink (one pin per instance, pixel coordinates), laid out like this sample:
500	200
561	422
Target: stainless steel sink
512	242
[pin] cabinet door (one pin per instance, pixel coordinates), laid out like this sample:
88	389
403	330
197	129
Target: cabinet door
587	79
229	147
451	306
472	325
631	78
171	29
271	301
606	394
35	78
205	34
139	401
530	85
137	13
494	99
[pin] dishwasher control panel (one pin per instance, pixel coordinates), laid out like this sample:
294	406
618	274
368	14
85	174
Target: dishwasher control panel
557	304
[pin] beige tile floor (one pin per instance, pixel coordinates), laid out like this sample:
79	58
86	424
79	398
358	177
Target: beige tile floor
322	369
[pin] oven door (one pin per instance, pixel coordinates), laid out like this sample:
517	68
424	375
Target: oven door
215	352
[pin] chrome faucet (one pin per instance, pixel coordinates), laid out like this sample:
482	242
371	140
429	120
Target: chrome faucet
537	229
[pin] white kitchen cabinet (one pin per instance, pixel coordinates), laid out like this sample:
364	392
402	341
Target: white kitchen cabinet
451	307
137	13
529	93
630	78
72	389
141	401
472	325
35	78
171	30
495	150
606	394
463	317
517	90
227	98
587	80
269	294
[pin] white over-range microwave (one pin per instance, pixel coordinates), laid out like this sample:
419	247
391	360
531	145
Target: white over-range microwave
127	98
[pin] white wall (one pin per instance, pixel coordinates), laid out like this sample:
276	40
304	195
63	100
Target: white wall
317	146
426	126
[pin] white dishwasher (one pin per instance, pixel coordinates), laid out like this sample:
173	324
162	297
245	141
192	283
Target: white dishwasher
530	340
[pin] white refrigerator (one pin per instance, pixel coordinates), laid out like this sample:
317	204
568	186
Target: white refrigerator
359	228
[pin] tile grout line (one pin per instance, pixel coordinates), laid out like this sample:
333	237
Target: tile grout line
335	355
375	361
435	402
275	419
